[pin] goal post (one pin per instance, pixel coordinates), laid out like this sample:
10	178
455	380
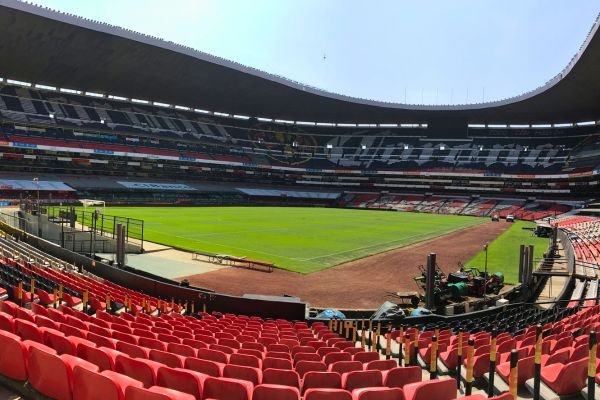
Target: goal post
91	203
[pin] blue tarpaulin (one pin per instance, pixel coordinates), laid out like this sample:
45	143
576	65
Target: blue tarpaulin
420	311
331	314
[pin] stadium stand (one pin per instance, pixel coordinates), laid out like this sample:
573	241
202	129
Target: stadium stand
90	136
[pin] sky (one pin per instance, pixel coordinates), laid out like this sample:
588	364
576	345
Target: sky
416	52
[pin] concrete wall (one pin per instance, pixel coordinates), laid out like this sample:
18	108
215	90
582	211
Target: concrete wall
71	238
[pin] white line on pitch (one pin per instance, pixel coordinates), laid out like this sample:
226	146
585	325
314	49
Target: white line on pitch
384	243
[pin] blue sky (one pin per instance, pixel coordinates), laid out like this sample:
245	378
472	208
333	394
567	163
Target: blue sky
427	51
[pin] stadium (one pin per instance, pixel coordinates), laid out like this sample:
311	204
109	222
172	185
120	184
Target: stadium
175	225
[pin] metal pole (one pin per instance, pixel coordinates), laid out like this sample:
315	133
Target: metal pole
430	282
459	357
591	384
469	377
388	343
512	378
415	347
433	360
406	349
93	243
39	218
492	372
400	343
537	372
486	270
370	337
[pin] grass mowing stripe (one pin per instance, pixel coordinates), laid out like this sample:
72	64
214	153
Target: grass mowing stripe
503	253
407	239
295	238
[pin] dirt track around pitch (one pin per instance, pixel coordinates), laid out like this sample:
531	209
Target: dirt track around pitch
359	284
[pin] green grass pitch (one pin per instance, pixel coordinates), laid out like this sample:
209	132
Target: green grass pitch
298	239
503	252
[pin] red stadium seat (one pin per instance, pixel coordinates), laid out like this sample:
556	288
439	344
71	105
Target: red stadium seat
207	367
303	349
196	344
381	365
253	346
400	376
73	331
13	356
366	356
7	322
327	394
250	374
321	380
71	301
107	385
156	393
25	314
565	379
213	355
281	377
224	349
50	374
56	315
76	322
143	333
378	393
524	370
28	331
152	343
45	322
250	352
345	366
277	363
183	380
132	350
333	357
169	359
139	369
360	379
275	392
278	354
232	343
227	389
45	297
307	366
59	342
438	389
102	357
168	338
181	349
278	347
125	337
9	308
559	356
99	330
246	360
306	357
101	340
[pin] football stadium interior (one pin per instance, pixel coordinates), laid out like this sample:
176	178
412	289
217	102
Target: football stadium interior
270	240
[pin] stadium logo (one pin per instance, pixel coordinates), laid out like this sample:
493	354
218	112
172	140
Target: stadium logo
294	147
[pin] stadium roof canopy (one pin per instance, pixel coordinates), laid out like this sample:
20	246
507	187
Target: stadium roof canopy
47	47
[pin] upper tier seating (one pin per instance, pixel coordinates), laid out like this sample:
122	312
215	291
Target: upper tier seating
182	133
